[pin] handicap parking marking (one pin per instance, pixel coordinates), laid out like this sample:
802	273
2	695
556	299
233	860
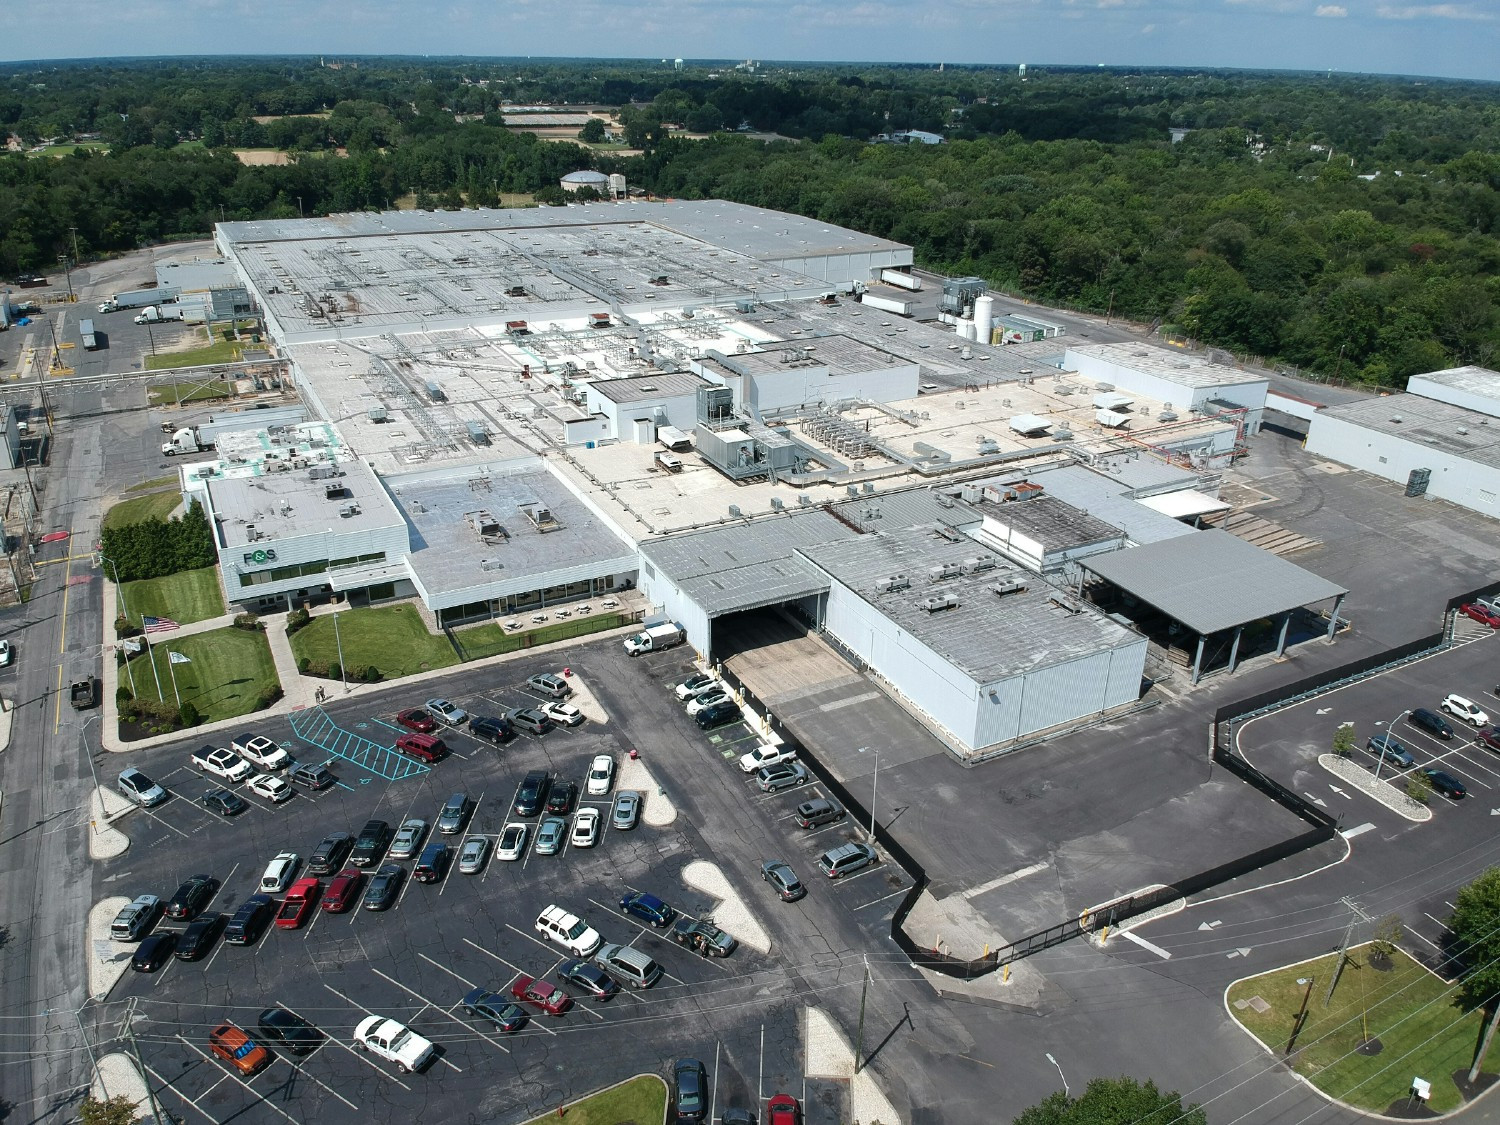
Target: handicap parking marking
440	1009
261	1098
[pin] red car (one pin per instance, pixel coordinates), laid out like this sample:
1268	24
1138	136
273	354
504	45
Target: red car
300	898
423	747
1481	613
538	993
417	719
1488	736
783	1110
343	890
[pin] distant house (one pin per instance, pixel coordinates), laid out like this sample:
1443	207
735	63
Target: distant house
908	137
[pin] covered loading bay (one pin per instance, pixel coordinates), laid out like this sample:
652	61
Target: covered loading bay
1212	584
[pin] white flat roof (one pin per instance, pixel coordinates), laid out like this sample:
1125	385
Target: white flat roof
1186	502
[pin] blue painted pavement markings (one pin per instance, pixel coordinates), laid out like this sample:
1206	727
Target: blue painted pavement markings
315	727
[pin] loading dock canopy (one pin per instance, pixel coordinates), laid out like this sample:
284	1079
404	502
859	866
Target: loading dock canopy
1183	503
1030	424
1211	580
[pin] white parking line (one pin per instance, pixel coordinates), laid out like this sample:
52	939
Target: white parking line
356	1052
305	1073
262	1098
497	957
551	950
166	823
167	1085
435	1007
883	898
874	868
447	970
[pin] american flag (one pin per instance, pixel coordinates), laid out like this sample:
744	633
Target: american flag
158	624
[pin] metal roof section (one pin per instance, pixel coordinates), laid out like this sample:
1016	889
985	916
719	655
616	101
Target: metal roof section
1182	368
910	507
1211	580
1111	501
762	233
749	565
950	602
325	498
1054	523
1468	434
1477	380
1183	503
649	387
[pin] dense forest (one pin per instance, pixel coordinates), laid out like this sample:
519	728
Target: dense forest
1347	224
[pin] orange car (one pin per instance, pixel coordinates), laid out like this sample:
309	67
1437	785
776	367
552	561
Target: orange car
231	1044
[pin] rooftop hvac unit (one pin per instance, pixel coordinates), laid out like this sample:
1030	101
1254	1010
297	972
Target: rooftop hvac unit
894	582
1167	416
942	571
804	500
477	433
869	487
1104	388
347	510
1008	586
734	510
777	505
978	563
852	489
988	445
938	602
435	392
1062	435
970	493
945	501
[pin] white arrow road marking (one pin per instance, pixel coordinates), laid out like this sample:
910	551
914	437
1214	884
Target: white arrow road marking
1215	924
1244	952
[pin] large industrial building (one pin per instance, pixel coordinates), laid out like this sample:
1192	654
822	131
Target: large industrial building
522	408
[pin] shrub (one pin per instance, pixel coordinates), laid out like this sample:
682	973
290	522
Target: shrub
268	696
248	621
188	715
124	628
123	696
297	619
304	665
334	672
371	674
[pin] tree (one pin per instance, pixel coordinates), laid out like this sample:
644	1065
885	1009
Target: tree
118	1110
592	132
1475	926
1114	1101
1343	740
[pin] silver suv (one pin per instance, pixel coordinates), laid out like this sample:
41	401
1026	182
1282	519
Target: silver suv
549	684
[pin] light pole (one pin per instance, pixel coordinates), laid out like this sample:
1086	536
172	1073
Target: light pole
1386	745
343	672
94	773
62	260
124	612
1066	1092
874	786
299	207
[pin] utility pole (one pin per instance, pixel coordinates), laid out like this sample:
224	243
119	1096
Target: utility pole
1356	915
62	260
75	243
135	1049
859	1038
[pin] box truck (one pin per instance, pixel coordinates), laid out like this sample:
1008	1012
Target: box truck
185	440
155	314
655	637
140	298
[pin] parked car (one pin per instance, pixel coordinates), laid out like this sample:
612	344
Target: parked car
472	855
1431	722
223	802
394	1042
491	729
691	686
708	699
310	776
562	714
384	886
1488	736
550	685
135	918
450	821
153	951
139	788
703	937
449	714
601	775
422	747
279	873
1446	784
197	941
627	811
230	1044
690	1091
530	719
195	893
512	843
783	1110
493	1007
222	763
1481	613
432	864
765	755
541	994
1461	707
409	837
648	908
272	788
549	835
585	828
1384	746
783	880
371	843
290	1031
846	859
815	813
568	930
330	853
298	905
260	751
561	796
250	920
343	889
783	775
417	719
532	793
588	977
717	715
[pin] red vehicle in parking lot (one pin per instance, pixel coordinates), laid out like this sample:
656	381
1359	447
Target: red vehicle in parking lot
1488	736
343	890
417	719
1481	613
423	747
300	898
539	994
783	1110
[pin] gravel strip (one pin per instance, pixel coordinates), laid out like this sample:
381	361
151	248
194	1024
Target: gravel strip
1363	780
830	1056
731	914
108	960
117	1076
657	809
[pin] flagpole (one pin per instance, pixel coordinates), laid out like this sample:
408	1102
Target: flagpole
151	659
172	671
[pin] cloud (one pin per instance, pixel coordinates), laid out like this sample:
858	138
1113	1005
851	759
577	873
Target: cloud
1332	11
1431	12
1148	29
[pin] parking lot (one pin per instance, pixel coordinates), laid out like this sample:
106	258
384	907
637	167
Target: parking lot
742	1015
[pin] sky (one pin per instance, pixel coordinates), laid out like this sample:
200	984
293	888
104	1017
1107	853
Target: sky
1459	39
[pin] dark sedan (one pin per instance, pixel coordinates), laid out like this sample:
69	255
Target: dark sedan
384	886
494	1007
532	793
223	802
690	1090
590	978
153	951
561	797
197	941
1446	784
1430	721
289	1030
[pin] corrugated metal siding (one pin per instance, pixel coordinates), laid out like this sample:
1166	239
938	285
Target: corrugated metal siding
1466	483
678	607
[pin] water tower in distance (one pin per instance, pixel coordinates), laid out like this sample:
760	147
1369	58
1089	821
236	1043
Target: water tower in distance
676	64
1021	71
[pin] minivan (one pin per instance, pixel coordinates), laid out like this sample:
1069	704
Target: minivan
628	964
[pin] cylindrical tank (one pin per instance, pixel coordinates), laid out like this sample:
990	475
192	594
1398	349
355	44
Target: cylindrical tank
965	329
984	316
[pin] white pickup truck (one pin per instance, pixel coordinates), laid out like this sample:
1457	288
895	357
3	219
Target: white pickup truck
765	756
394	1042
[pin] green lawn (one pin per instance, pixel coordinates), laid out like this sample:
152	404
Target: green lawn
139	509
641	1100
185	597
392	638
154	483
480	641
229	669
1414	1015
225	351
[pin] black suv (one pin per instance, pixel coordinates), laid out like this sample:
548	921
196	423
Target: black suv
374	838
199	937
191	897
491	729
717	715
249	921
329	856
533	792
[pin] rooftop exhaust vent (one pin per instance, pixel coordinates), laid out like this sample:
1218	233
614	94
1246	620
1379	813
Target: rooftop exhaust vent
1007	586
938	602
894	582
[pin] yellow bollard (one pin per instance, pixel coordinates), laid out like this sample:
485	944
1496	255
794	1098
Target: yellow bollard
1104	935
1005	975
